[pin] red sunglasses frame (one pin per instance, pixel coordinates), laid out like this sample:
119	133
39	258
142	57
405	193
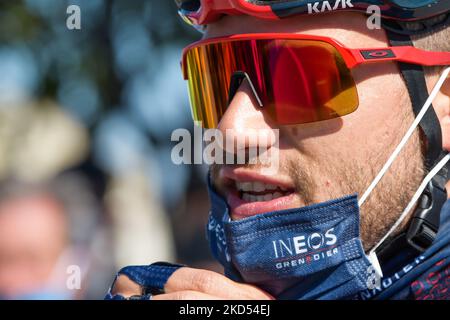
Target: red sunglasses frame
352	57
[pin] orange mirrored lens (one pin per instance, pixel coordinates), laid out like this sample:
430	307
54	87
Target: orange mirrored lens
298	81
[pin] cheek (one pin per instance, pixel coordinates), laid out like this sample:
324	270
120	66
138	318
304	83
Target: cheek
382	100
369	129
379	84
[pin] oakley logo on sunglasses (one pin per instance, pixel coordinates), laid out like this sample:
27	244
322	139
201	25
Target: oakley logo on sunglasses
326	6
377	54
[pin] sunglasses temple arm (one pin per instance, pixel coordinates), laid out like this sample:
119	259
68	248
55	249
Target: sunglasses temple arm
406	54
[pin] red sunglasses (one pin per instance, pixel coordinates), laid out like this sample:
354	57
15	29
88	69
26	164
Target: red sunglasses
295	78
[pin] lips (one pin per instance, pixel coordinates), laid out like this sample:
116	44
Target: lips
249	193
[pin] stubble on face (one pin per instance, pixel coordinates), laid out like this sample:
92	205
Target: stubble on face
353	174
325	168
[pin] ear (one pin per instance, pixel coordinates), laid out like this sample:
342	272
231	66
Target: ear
442	108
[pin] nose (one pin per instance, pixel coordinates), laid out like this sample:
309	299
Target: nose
245	122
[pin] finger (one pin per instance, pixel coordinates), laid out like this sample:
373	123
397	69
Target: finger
126	287
212	283
185	295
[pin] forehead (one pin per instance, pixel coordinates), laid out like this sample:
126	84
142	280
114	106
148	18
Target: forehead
36	212
349	28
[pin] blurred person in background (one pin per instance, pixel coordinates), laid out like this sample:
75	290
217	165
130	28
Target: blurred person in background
38	246
108	95
64	211
33	239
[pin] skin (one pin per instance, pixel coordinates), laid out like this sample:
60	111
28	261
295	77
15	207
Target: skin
33	234
356	145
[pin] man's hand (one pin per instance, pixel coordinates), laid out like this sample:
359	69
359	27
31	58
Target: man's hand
195	284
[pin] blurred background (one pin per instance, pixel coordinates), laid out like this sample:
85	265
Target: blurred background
87	184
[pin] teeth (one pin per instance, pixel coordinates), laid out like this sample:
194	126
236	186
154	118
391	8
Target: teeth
267	197
257	187
265	192
277	195
244	186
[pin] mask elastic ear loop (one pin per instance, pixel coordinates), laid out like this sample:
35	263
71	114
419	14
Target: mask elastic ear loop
408	135
372	255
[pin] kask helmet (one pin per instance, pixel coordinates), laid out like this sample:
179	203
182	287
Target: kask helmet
401	16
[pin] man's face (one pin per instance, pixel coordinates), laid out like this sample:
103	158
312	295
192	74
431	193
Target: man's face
33	234
333	158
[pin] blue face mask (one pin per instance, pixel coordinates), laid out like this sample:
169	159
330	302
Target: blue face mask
307	253
313	252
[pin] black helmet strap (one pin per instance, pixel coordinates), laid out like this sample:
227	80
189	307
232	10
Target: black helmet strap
425	221
414	77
